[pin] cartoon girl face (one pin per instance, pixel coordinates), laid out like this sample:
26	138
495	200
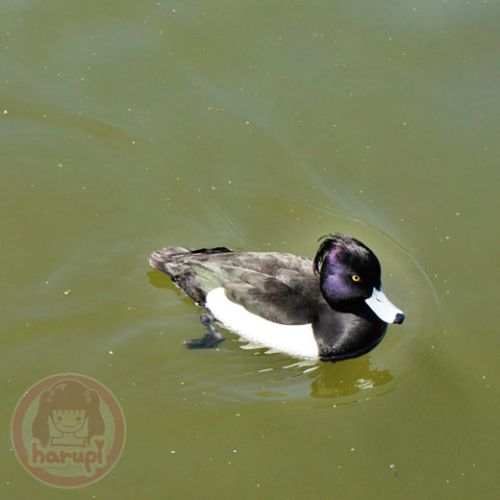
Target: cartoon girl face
72	408
68	421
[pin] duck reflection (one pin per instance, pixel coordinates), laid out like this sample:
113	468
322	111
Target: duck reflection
159	280
335	380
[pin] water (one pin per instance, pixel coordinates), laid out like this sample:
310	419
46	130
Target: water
129	126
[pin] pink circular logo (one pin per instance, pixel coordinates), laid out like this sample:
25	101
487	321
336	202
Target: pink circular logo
68	430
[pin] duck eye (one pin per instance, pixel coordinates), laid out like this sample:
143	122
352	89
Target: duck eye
356	278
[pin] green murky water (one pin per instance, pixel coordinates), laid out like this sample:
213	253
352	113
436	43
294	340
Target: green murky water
127	126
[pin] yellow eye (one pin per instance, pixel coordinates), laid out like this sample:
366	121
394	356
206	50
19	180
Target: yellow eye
356	278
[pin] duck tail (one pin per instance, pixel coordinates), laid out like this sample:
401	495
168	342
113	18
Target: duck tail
177	263
161	258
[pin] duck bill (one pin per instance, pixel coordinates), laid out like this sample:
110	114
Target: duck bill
384	308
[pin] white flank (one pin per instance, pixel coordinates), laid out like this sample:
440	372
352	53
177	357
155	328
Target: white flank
295	340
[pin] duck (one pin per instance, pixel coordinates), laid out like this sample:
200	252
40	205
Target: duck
329	308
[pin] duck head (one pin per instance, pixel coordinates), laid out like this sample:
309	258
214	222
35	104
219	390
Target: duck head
350	272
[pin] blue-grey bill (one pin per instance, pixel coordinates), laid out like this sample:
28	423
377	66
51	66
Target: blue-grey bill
384	308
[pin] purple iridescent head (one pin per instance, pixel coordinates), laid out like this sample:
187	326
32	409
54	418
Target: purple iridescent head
350	271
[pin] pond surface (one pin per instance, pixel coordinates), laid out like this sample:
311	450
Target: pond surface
129	126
